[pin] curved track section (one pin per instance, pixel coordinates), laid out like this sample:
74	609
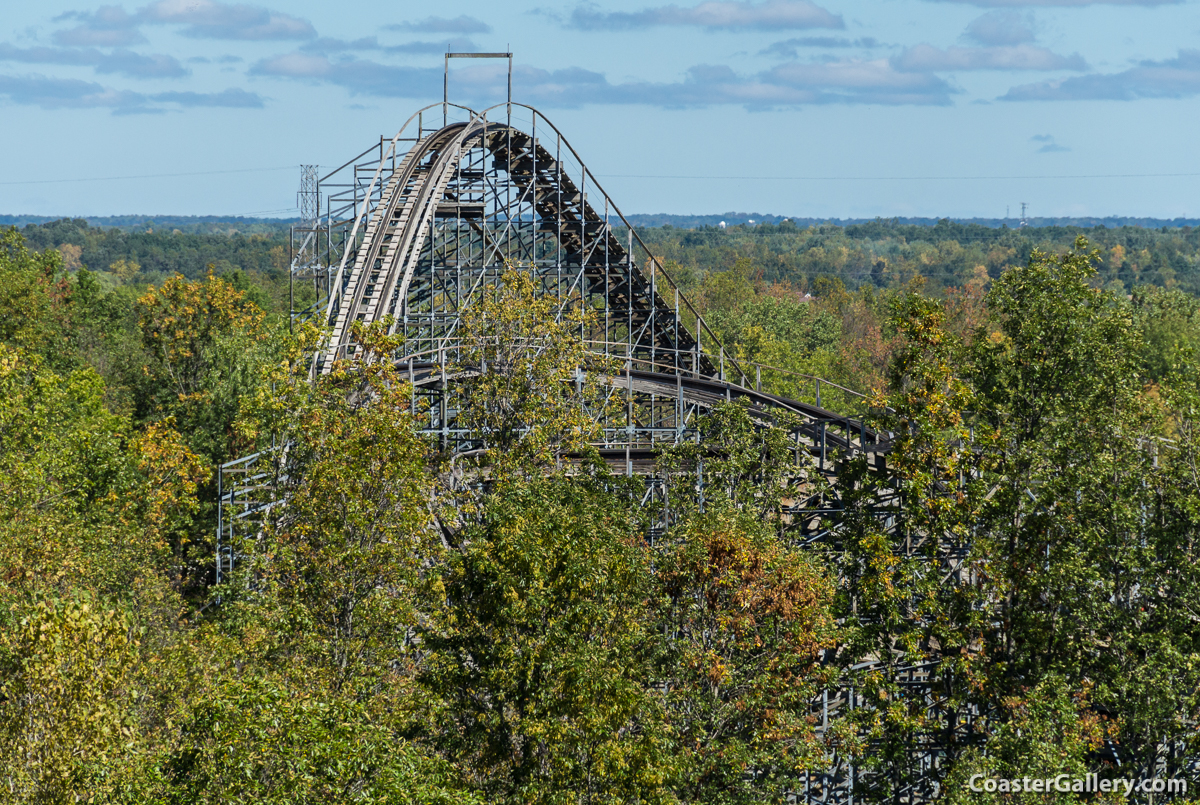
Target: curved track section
391	236
479	195
468	199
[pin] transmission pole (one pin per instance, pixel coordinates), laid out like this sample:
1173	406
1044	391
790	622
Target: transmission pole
306	197
304	246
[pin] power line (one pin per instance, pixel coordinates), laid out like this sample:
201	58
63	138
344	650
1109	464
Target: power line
904	178
148	176
663	176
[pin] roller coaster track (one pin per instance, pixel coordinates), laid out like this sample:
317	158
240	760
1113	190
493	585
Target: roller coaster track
380	273
394	232
415	229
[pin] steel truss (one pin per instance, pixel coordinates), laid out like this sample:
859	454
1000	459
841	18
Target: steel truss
414	229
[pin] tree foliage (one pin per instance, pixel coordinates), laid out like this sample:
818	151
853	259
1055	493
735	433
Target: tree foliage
65	720
530	385
749	624
542	655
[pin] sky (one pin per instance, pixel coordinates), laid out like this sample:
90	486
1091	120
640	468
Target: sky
812	108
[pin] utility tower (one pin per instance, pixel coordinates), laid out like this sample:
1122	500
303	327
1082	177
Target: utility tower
306	245
306	197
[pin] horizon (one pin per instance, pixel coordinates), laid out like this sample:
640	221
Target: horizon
915	108
644	220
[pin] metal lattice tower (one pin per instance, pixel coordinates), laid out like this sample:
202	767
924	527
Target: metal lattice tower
308	196
308	264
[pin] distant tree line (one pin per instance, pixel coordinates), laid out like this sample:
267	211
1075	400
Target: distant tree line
193	224
159	253
887	254
753	218
882	253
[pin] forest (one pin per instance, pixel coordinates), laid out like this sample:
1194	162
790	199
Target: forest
401	633
888	254
882	253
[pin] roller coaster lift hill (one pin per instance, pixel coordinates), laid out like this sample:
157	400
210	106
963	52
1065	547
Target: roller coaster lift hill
414	229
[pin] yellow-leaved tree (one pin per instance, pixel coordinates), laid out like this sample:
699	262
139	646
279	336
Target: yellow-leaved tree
531	391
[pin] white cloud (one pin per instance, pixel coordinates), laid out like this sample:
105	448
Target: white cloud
1049	146
107	26
849	81
1171	78
461	24
1001	28
294	65
125	62
1060	3
330	45
65	93
862	81
112	26
790	48
714	14
927	58
207	19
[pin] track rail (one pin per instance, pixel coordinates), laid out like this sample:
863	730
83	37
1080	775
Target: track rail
540	197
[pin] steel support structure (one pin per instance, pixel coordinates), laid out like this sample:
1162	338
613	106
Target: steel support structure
414	229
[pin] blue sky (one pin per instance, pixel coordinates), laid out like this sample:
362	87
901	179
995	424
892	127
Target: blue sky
797	107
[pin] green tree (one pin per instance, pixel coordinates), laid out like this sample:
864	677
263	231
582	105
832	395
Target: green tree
342	568
1170	325
544	654
31	291
748	616
908	594
204	344
256	740
1044	733
83	496
1080	583
1061	385
529	388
